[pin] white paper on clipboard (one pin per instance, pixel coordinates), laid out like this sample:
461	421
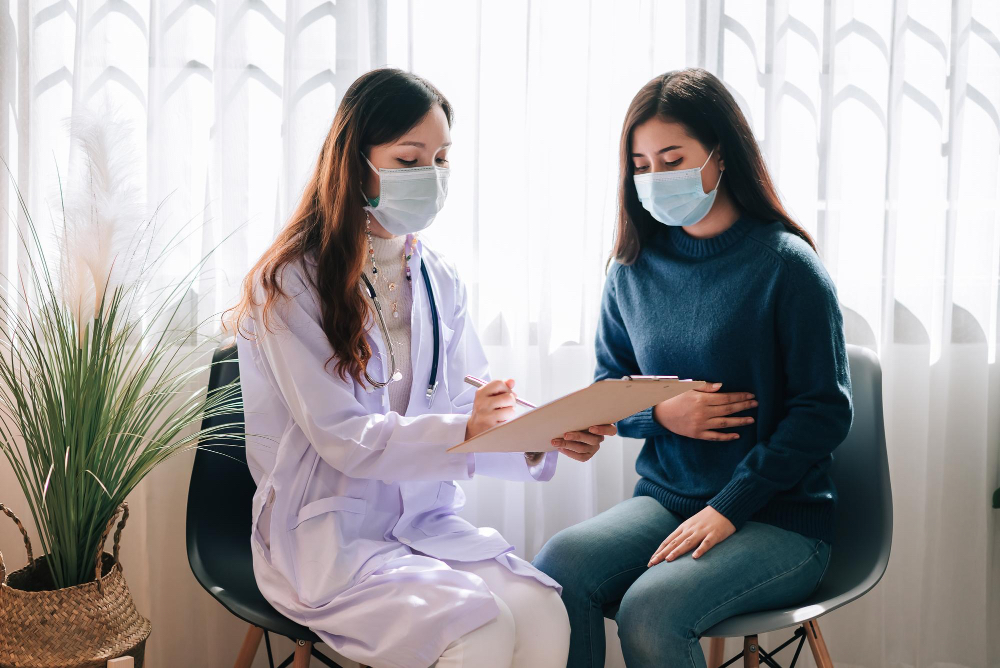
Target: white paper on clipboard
603	402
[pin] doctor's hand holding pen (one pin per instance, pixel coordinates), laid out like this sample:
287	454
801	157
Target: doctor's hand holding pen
494	404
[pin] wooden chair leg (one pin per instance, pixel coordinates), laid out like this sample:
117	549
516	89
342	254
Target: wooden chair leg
716	649
303	651
818	646
751	659
251	641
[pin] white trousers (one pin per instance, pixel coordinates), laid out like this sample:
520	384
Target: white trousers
531	631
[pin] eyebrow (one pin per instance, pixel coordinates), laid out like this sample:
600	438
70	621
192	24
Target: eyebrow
420	144
662	150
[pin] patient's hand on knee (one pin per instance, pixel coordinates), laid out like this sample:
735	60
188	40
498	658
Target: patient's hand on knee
701	532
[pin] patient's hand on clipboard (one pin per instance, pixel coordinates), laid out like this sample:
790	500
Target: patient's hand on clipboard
702	411
495	403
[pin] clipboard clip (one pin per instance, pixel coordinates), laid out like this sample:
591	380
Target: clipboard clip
638	377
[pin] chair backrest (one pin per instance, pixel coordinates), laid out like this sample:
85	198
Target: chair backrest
860	472
221	491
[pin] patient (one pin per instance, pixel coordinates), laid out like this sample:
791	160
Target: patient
711	280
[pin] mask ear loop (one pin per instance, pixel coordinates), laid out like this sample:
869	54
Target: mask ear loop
374	169
700	168
720	171
719	181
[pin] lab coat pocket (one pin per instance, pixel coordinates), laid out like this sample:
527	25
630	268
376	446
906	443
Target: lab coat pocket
447	334
443	518
328	555
446	494
320	506
442	403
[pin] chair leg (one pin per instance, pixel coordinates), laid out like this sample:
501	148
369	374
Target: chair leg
716	649
818	646
303	652
751	659
251	641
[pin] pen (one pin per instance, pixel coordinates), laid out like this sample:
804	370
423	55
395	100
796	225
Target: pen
479	382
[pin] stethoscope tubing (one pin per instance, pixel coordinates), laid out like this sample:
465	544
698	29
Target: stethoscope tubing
432	382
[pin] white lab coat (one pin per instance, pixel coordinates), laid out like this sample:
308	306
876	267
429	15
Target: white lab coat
362	500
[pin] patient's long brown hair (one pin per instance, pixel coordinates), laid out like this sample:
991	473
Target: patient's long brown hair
696	99
378	108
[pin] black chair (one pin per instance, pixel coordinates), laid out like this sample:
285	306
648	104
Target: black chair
218	531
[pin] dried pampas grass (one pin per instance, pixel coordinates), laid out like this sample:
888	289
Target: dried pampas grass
107	231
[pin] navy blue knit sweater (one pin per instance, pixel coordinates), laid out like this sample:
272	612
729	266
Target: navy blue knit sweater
754	309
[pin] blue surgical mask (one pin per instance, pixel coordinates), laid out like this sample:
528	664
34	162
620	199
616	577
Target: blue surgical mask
676	198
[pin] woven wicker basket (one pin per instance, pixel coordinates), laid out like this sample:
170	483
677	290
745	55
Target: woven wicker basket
79	627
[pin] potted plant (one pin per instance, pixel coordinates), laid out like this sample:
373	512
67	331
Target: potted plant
94	393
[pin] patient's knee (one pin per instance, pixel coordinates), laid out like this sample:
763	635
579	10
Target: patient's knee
564	559
651	625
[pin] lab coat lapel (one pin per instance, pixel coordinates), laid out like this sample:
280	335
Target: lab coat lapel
421	336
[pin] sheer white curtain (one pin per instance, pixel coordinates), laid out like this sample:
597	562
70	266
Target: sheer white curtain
229	102
879	121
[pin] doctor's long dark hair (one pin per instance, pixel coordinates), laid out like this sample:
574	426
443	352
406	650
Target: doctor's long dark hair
696	99
378	108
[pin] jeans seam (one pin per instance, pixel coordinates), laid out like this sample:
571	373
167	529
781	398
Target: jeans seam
759	585
829	558
590	636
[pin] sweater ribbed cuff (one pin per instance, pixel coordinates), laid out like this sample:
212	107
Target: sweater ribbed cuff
739	500
641	425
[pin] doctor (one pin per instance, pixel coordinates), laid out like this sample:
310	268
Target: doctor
354	340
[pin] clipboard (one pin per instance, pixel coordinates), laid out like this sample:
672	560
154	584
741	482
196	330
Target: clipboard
603	402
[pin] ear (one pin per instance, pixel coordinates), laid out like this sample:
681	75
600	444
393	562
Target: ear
722	162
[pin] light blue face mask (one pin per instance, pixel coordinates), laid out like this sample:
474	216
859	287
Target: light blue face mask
676	198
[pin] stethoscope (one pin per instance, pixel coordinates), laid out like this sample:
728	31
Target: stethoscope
396	374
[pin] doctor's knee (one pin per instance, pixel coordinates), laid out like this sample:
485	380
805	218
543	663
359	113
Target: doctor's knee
554	626
489	646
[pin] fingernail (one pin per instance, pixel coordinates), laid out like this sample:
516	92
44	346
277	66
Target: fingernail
717	385
753	403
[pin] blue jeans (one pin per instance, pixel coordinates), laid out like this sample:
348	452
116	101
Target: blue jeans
666	608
